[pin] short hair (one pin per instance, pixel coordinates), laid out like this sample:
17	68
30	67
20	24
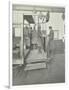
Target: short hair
50	27
30	27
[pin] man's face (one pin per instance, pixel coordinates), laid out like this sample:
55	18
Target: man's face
50	29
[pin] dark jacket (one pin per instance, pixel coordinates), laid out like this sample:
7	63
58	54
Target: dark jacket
51	35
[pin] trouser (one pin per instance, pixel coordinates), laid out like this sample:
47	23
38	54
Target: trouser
48	53
50	50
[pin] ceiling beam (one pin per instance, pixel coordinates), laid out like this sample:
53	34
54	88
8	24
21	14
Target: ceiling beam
21	7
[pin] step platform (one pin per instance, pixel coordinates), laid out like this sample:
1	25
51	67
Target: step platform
34	66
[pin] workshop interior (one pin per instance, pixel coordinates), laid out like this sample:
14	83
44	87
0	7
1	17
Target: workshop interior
38	44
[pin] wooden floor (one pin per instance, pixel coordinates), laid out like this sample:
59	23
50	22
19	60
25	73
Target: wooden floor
54	73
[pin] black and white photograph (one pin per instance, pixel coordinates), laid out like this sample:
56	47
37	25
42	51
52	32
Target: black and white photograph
38	44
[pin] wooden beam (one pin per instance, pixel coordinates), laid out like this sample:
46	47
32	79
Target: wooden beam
21	45
21	7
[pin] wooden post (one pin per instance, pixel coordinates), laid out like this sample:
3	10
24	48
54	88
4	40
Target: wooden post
21	45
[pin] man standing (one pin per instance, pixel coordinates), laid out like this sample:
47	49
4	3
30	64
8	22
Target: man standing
39	39
50	45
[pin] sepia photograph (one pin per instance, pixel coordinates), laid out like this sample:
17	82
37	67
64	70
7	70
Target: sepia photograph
38	44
